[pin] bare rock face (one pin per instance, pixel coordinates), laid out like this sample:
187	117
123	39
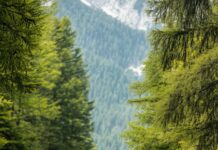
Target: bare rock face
130	12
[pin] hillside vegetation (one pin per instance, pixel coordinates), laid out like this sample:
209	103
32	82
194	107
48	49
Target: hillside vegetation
109	49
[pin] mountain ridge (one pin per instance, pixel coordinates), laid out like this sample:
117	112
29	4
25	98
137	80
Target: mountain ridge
129	12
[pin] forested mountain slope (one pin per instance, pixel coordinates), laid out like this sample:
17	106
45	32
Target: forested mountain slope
129	12
109	48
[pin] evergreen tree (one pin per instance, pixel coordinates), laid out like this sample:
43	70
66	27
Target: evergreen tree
72	130
38	108
8	136
43	76
19	30
180	87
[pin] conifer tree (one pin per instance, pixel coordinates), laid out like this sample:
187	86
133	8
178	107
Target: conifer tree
29	68
43	76
38	108
9	138
72	130
19	30
180	86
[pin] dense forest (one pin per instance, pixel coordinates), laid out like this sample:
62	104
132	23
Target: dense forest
178	97
109	49
66	78
43	82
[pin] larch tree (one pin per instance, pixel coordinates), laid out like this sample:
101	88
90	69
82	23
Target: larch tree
43	83
19	30
180	105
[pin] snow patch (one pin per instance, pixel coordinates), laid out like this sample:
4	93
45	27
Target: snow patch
138	70
86	3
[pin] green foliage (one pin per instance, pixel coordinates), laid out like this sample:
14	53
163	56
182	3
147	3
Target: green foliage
193	102
109	49
31	67
193	26
73	127
34	108
179	92
9	138
19	29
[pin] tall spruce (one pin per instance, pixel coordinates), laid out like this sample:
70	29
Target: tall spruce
72	130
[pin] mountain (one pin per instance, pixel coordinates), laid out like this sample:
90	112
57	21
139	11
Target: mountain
130	12
113	52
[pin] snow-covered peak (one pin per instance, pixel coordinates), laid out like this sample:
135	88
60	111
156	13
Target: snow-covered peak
130	12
